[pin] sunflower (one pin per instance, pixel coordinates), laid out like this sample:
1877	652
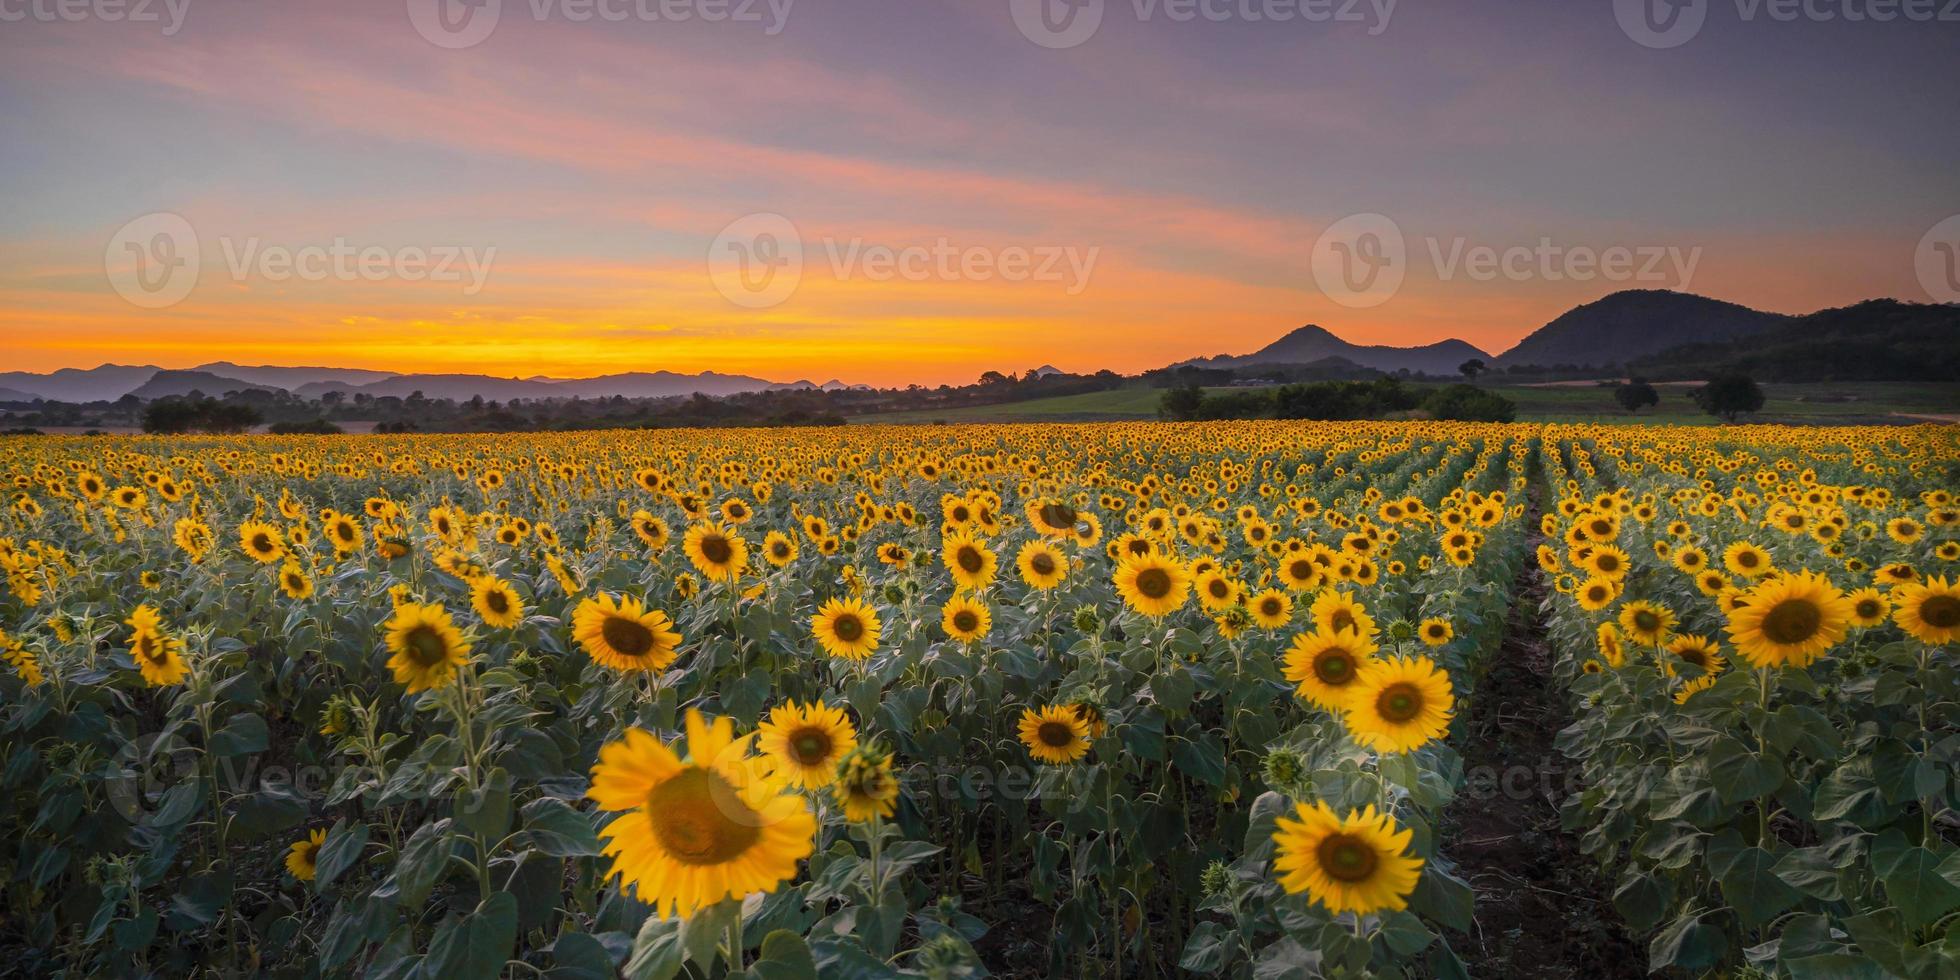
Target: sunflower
965	619
424	645
1056	734
1436	631
1928	610
495	602
1611	646
158	656
1042	567
1271	609
294	581
969	559
303	858
624	634
1051	517
807	741
717	554
1608	561
341	532
261	541
778	549
1216	590
1325	664
1693	687
1690	559
1869	607
695	831
1596	593
1646	623
651	530
1355	864
865	787
1301	573
1152	584
846	628
1399	704
1333	611
1791	619
1698	650
1746	560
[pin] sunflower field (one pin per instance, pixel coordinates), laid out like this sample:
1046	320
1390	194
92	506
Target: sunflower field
1120	699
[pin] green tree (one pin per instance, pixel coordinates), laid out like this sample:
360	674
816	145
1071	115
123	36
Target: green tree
1726	396
1635	394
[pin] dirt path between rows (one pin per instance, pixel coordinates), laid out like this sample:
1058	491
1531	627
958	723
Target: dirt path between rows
1543	909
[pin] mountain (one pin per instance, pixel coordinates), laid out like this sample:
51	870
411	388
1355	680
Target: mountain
1635	323
463	387
98	384
1312	343
292	378
16	395
1877	340
165	384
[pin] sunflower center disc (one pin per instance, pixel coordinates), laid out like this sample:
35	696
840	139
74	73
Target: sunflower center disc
425	646
1941	611
1055	734
970	561
1792	621
1399	703
1346	859
810	746
965	621
1042	565
1333	667
848	628
626	636
497	602
1154	582
1058	515
715	548
698	819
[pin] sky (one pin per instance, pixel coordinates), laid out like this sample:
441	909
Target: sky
904	192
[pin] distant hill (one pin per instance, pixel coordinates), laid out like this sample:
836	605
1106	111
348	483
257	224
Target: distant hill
1313	343
292	378
16	395
1632	324
1877	340
167	384
98	384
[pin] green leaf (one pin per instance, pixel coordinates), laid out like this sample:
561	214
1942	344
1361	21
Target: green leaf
1208	949
1641	899
1441	897
422	862
1751	887
342	848
703	931
1202	759
578	956
556	829
657	953
476	946
785	956
1740	774
485	812
1913	883
242	735
1173	688
1687	944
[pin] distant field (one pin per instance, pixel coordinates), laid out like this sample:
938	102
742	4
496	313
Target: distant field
1847	404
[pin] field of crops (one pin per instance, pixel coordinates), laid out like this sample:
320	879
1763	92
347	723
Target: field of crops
1120	699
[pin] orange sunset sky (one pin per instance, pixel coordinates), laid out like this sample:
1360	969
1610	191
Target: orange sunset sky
1199	162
